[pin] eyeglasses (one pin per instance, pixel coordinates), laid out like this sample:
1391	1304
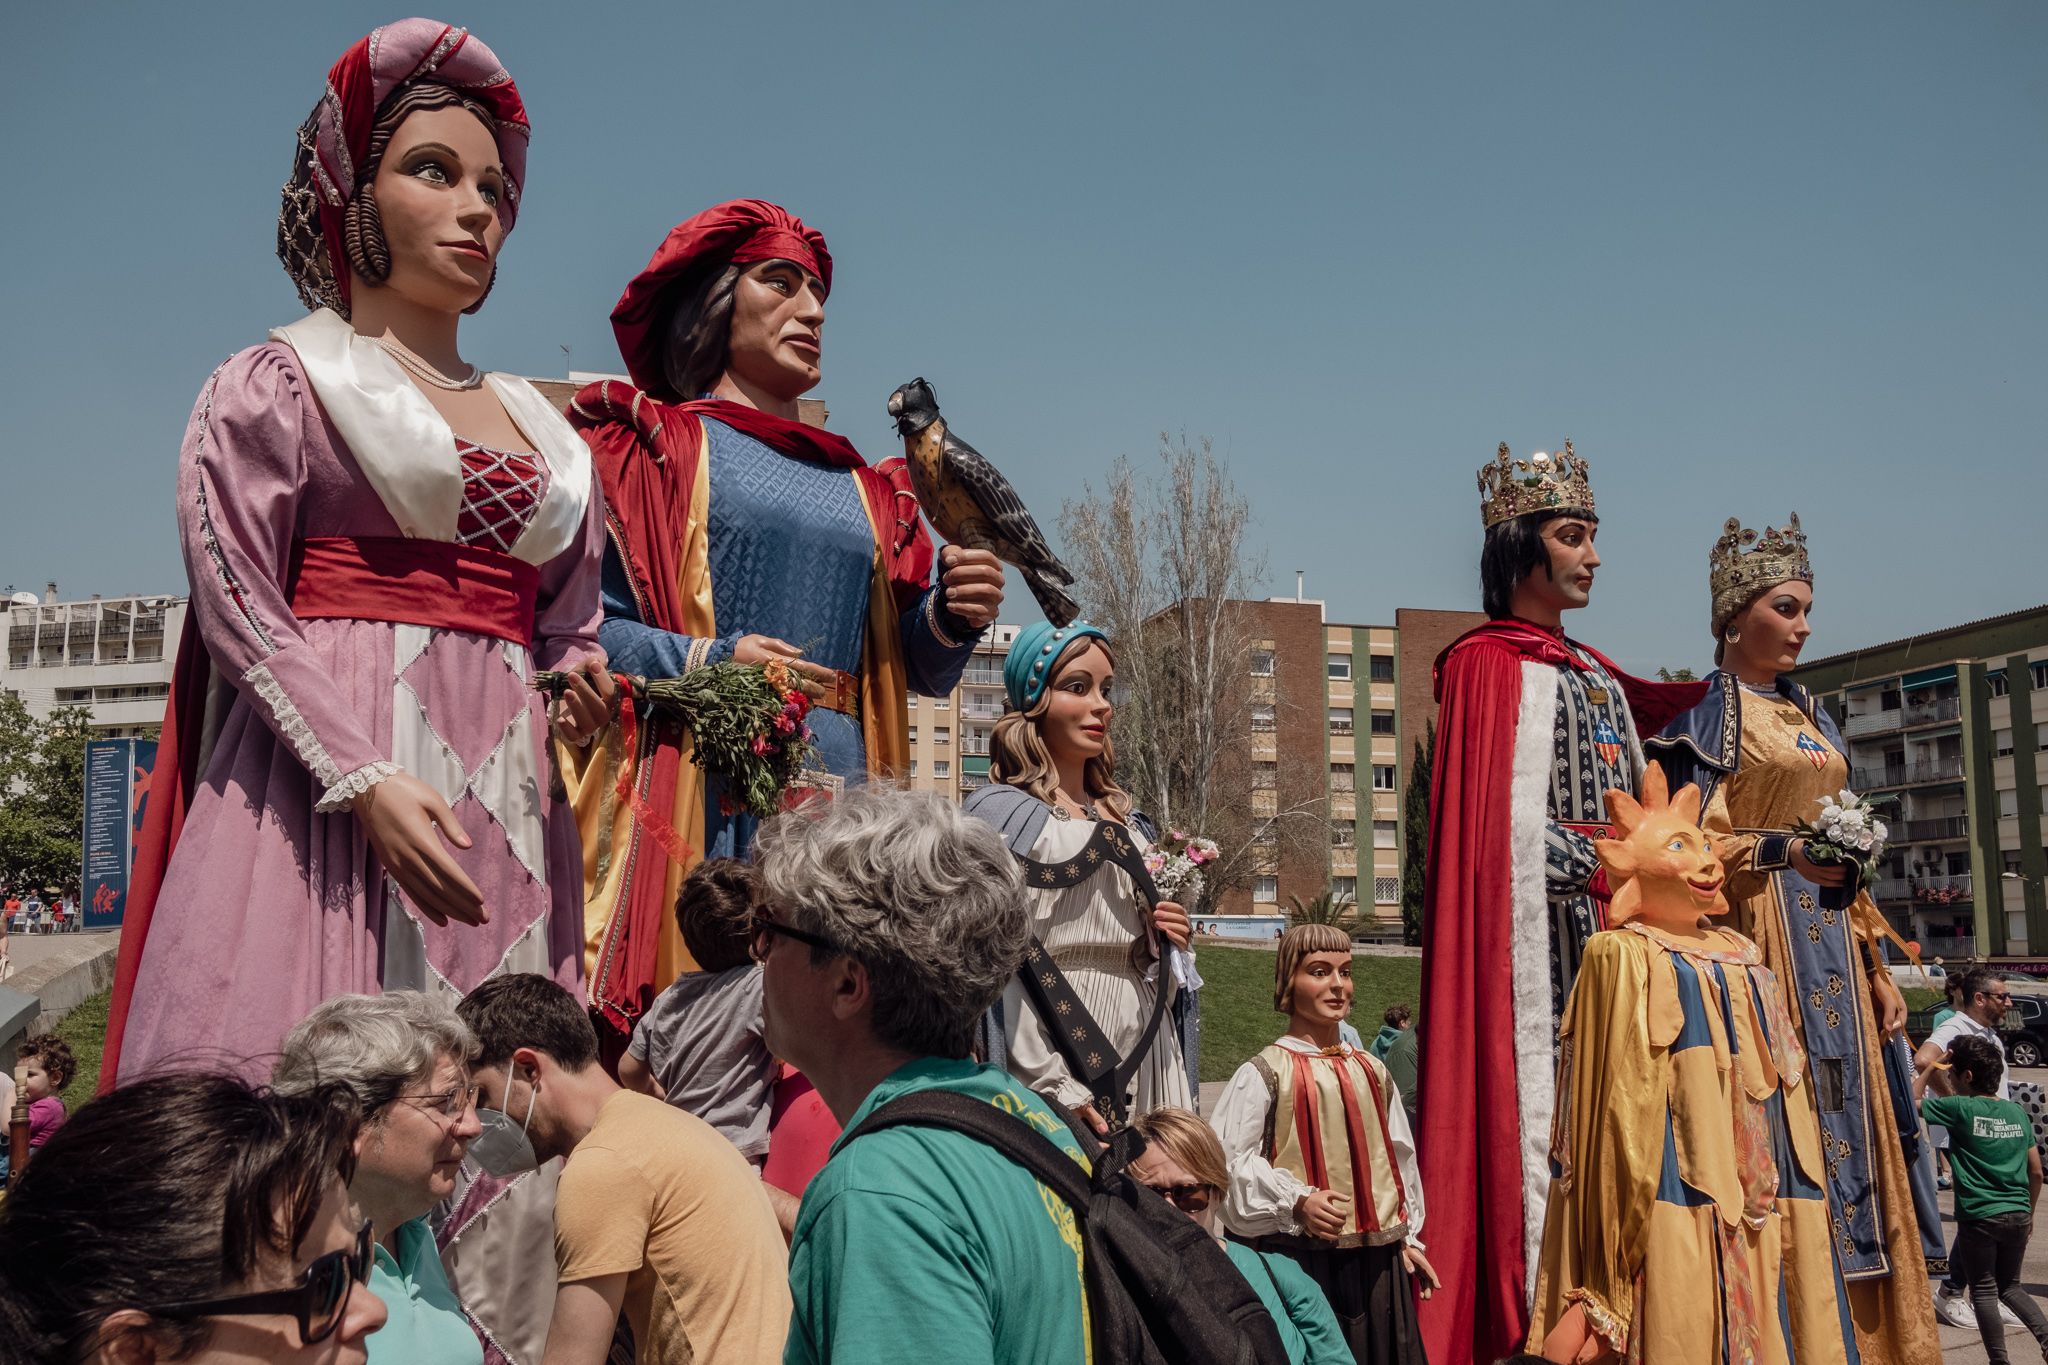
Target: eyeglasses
316	1301
1190	1198
766	928
448	1106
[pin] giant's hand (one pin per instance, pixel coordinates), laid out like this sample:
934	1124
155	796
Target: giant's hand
1836	874
1891	1005
973	580
1170	919
585	706
1322	1213
1420	1270
817	681
405	821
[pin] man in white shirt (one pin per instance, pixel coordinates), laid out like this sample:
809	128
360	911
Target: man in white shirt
1986	998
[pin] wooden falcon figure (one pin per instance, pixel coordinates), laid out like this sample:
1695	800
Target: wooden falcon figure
972	504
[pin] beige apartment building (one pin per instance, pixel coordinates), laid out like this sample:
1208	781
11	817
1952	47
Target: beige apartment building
111	654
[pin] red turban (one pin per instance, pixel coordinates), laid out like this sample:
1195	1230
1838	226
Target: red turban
339	129
737	233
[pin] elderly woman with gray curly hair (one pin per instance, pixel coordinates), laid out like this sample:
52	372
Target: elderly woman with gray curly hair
406	1056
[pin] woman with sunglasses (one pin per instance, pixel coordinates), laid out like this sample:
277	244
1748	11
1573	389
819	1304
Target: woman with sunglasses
190	1218
1183	1164
404	1056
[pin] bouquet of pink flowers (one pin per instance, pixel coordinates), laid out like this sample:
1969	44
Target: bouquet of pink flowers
1176	864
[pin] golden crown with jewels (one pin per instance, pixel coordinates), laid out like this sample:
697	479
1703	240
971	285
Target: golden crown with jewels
1743	563
1542	483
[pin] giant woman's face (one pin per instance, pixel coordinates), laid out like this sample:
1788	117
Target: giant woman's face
778	321
439	192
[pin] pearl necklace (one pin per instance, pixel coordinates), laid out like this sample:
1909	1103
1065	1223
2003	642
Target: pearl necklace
423	370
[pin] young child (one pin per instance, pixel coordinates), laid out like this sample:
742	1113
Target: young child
1321	1160
699	1046
1997	1173
50	1067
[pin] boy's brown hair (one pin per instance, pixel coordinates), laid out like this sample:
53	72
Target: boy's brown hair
715	911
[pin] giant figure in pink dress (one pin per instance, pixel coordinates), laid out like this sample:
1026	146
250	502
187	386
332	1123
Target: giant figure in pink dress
384	543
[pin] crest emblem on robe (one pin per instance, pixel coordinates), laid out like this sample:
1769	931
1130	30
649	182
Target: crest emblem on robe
1816	752
1607	744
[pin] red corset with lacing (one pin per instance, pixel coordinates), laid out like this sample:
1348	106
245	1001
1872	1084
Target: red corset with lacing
500	490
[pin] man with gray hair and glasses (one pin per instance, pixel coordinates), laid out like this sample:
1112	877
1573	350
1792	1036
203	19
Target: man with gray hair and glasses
890	922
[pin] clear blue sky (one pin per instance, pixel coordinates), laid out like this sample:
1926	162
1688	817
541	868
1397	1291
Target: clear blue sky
1750	257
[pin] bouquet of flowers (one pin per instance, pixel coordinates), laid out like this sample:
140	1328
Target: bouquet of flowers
1848	831
1176	864
746	724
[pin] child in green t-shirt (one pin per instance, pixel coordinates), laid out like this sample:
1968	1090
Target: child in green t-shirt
1997	1180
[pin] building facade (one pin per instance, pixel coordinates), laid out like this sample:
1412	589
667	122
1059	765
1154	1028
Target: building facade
111	654
949	735
1948	734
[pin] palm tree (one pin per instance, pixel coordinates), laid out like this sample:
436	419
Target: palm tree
1328	908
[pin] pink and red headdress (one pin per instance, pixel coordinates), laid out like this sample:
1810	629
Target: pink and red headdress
335	139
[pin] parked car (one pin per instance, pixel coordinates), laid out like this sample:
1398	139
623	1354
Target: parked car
1928	977
2025	1029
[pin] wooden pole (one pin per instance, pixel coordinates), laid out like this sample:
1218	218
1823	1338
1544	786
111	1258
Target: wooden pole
18	1124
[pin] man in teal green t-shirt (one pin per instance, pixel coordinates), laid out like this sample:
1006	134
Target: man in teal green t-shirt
890	922
1997	1174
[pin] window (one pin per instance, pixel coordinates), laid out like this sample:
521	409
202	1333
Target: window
1386	890
1266	890
1343	833
1344	888
1382	668
1265	776
1262	663
1382	777
2008	804
913	734
2012	863
1339	666
2039	673
1340	720
1343	777
1996	683
942	734
1383	834
942	768
942	703
2001	743
913	767
1888	699
1262	715
1383	722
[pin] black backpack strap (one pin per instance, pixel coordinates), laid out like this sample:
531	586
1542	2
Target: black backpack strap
1080	1040
979	1119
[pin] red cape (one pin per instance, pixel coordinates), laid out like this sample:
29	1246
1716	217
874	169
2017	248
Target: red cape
1470	1144
647	454
172	782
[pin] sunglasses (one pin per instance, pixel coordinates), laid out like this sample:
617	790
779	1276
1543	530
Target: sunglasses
766	928
316	1301
1190	1198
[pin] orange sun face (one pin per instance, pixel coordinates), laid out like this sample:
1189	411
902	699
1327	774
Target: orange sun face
1663	866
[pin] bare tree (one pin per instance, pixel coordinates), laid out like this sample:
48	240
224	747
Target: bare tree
1162	566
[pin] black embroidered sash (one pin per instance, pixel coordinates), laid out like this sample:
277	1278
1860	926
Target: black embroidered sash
1080	1040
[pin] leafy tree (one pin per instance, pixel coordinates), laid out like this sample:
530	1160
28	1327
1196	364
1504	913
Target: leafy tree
1328	908
1415	836
1676	675
42	776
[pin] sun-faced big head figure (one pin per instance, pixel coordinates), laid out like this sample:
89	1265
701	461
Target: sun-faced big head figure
1662	867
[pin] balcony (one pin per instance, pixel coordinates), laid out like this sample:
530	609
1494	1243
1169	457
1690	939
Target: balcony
1934	712
1871	723
1950	889
1907	774
1947	946
981	676
1929	831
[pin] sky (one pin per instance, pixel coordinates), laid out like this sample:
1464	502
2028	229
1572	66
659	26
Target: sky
1751	258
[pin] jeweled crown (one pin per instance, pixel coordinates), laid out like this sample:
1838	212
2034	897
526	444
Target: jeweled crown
1743	563
1542	483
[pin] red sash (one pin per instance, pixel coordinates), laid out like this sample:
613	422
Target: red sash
417	582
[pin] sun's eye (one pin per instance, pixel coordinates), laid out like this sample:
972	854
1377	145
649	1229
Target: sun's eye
1677	845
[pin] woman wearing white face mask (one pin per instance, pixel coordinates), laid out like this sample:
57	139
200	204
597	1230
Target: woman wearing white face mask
406	1056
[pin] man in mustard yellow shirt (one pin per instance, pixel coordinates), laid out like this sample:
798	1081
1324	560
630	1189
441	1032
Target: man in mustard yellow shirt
657	1215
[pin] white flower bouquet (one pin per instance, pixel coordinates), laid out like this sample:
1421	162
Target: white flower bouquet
1846	832
1176	864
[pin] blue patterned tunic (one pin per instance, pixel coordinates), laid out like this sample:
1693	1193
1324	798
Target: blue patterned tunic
1595	749
792	557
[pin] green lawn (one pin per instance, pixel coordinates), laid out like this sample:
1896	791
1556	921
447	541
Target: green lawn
85	1028
1237	1001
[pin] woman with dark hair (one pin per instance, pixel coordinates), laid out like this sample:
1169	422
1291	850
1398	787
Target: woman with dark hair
1052	792
739	531
1763	752
189	1218
1535	728
384	542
